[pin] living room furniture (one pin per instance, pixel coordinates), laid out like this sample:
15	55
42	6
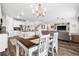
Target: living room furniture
63	35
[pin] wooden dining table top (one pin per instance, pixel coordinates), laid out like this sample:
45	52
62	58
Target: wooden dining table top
26	42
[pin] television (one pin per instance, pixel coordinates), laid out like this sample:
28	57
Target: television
61	27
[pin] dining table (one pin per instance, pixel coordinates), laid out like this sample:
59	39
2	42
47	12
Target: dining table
27	44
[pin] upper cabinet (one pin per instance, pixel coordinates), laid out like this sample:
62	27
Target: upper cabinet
0	12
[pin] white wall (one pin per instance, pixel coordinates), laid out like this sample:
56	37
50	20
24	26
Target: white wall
74	26
77	15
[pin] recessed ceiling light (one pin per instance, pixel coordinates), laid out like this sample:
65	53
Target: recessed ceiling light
22	13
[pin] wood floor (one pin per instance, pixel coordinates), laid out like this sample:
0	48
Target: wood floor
68	49
65	49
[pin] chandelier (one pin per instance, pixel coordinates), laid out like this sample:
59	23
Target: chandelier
38	10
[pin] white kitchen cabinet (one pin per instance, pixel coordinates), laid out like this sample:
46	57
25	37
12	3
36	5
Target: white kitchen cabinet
3	42
27	34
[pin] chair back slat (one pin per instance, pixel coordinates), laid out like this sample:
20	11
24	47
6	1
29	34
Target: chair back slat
55	39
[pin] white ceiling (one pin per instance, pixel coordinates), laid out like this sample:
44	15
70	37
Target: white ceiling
54	10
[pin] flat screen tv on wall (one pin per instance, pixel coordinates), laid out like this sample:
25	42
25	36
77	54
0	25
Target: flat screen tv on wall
61	27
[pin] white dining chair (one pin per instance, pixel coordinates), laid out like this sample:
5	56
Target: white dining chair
53	47
39	33
43	46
